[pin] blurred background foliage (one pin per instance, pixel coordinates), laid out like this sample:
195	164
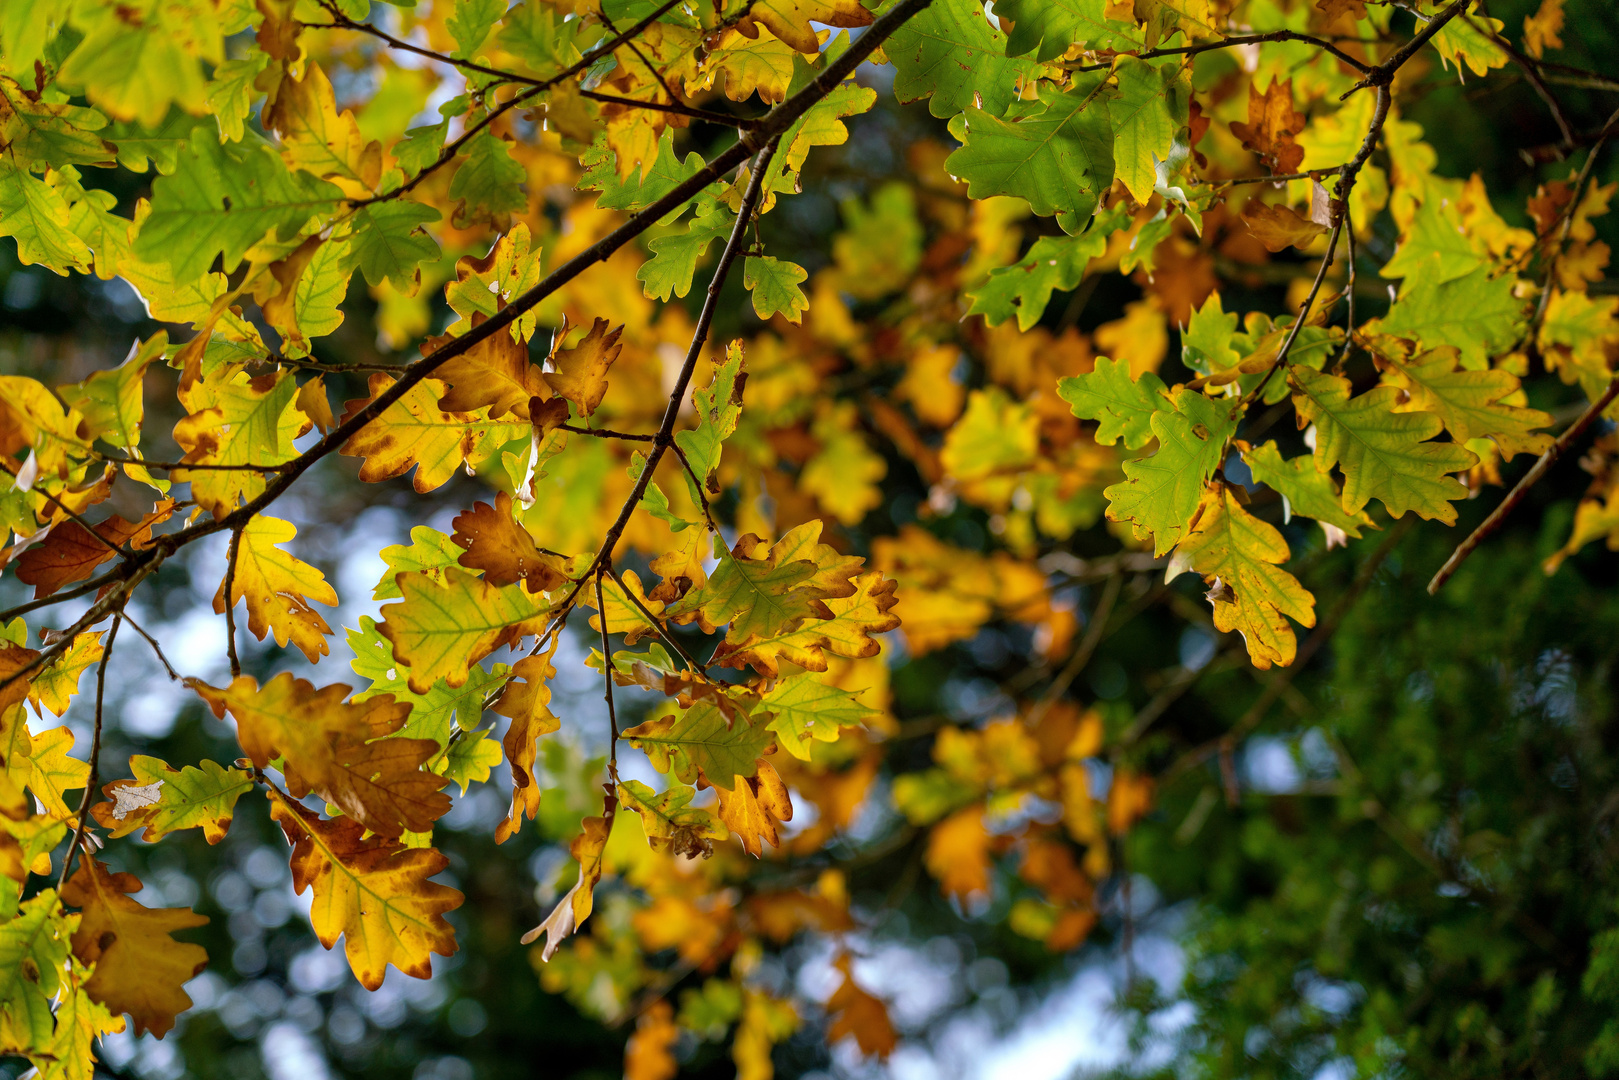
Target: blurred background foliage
1285	910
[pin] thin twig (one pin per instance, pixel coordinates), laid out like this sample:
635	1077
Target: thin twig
674	107
174	676
95	756
604	433
230	602
1304	315
1499	515
1082	655
73	515
1233	42
1383	74
1270	179
607	679
657	626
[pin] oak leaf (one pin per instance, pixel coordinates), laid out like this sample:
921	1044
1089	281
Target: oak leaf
1469	403
848	633
526	702
242	423
1122	406
803	708
139	968
1244	555
414	432
278	588
33	954
1160	493
495	373
854	1011
440	629
1272	123
754	806
580	374
372	891
496	543
578	902
754	590
700	743
957	854
196	796
792	20
670	824
649	1053
1278	226
1381	453
336	748
71	553
54	686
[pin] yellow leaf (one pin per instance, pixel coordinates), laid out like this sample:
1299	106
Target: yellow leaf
139	968
414	432
648	1055
494	373
526	701
193	797
1468	403
847	633
576	905
957	854
1543	29
790	20
278	588
1240	556
55	686
373	892
317	138
240	422
754	806
854	1011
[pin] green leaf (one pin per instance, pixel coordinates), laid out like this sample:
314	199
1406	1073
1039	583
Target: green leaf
33	952
821	125
222	200
538	35
775	287
1123	407
134	65
1476	313
430	552
1207	342
1150	108
35	214
718	408
112	402
194	797
1436	249
1048	27
994	435
158	146
433	714
43	134
758	598
1058	157
698	743
388	243
674	257
440	630
1160	493
471	22
421	147
1381	453
1053	263
637	192
470	759
231	94
804	708
949	53
1307	491
488	182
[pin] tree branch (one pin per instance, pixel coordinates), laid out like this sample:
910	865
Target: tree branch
95	757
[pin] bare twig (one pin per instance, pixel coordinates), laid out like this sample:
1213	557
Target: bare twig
1233	42
230	602
174	676
1520	490
1082	655
607	678
691	661
95	756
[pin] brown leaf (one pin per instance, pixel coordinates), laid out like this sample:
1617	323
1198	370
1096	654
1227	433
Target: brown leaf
1272	123
958	854
581	372
1334	10
1279	227
495	372
337	749
139	968
855	1012
72	554
12	660
503	549
574	908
